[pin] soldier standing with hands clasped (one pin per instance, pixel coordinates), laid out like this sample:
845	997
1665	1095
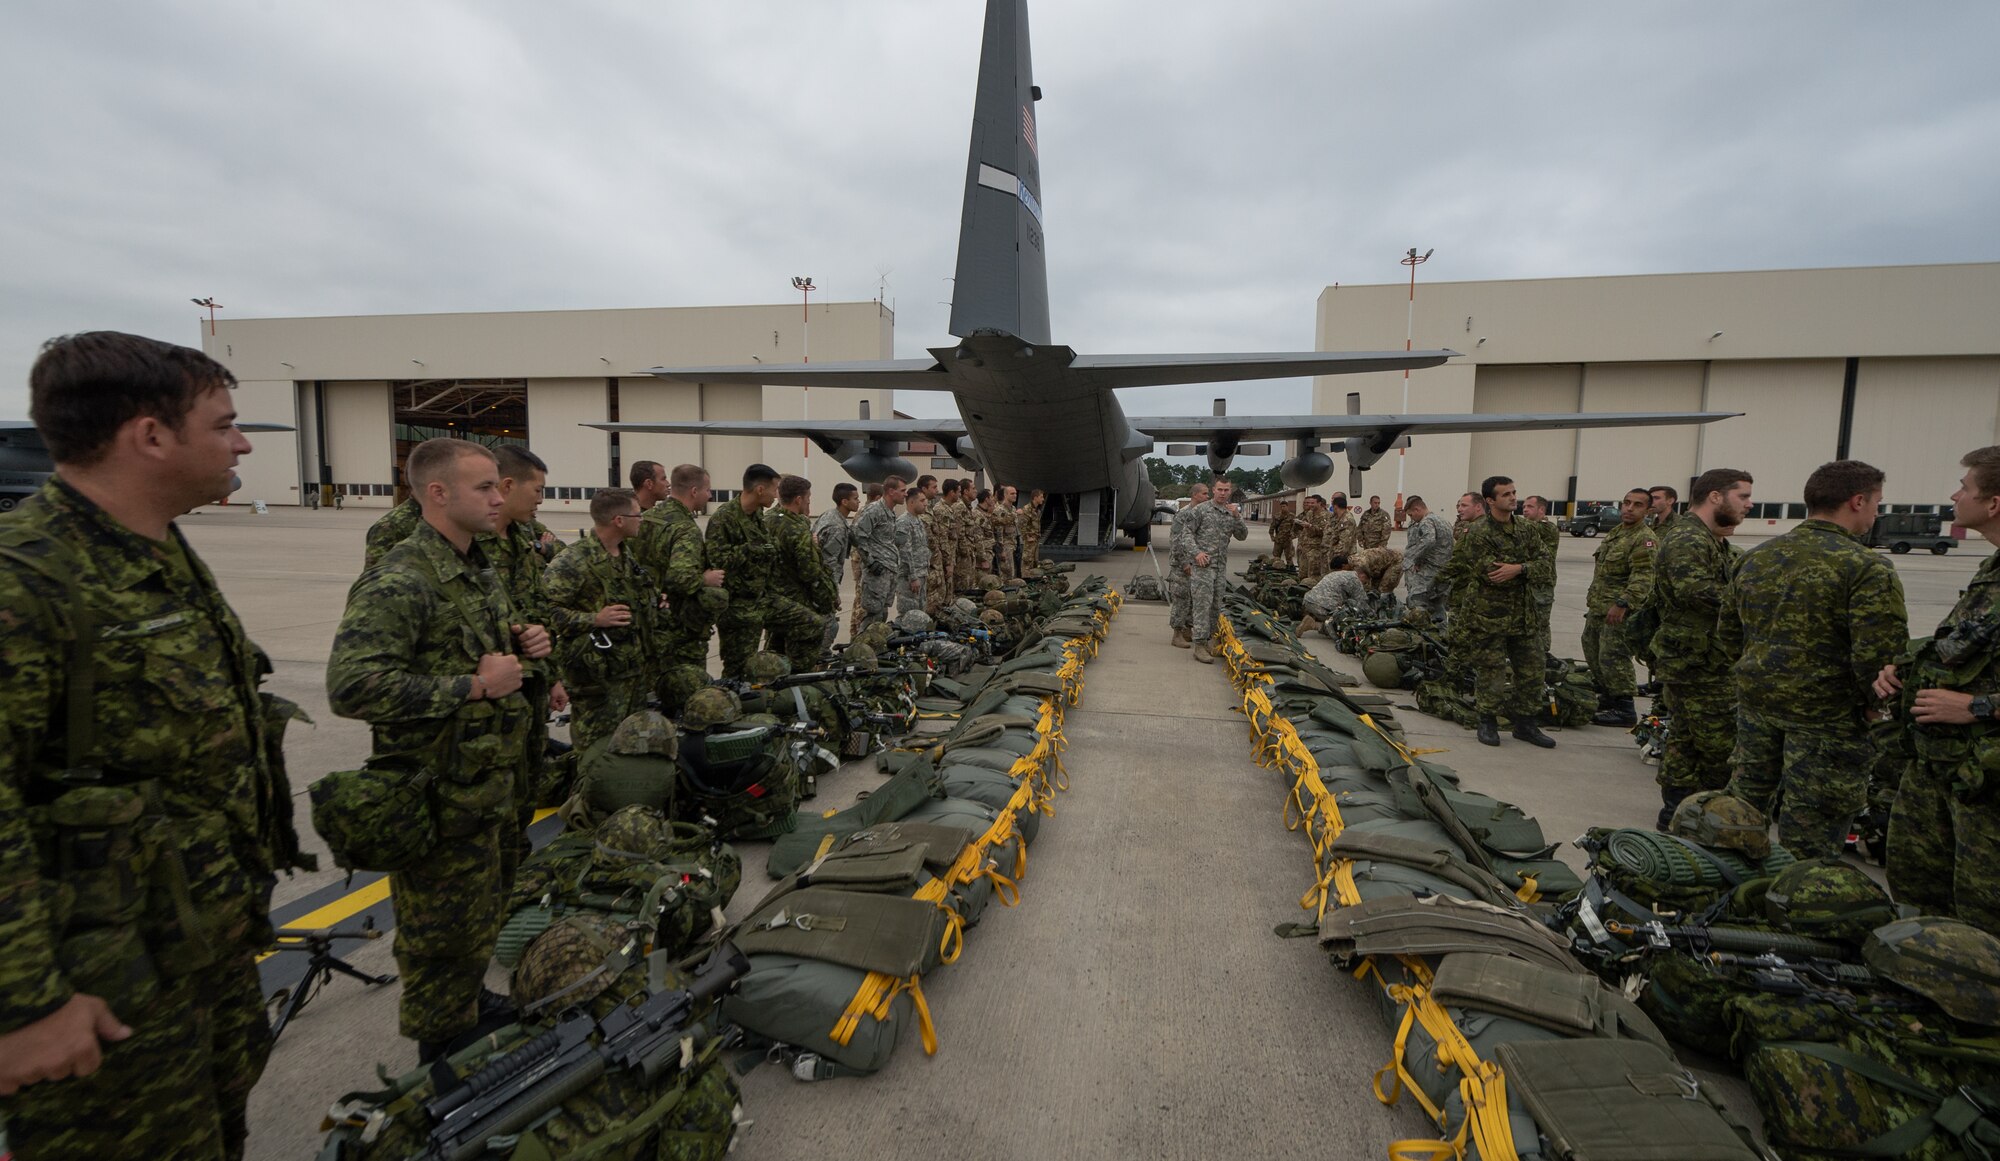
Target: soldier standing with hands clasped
429	654
1210	529
603	606
1495	568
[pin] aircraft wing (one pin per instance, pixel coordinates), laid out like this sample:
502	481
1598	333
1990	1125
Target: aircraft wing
1387	428
949	369
897	374
873	430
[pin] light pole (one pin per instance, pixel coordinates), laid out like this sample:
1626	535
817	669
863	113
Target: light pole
803	283
1411	260
212	306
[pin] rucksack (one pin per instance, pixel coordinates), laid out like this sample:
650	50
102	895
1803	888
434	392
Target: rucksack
744	778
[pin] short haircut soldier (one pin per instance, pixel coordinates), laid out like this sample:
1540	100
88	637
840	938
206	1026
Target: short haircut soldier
688	476
792	487
611	503
643	473
756	474
434	459
84	387
1491	484
1985	465
516	462
1833	484
1716	480
843	491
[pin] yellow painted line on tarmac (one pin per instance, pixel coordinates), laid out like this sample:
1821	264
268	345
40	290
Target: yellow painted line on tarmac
349	905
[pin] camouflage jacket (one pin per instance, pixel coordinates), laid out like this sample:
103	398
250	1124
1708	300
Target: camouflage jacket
1342	535
175	702
1314	526
1543	592
518	558
984	541
1380	569
1335	591
800	574
547	549
940	550
1031	524
1180	549
392	529
875	538
1624	569
1816	615
739	543
1284	526
1373	529
1210	529
1004	531
1964	654
582	581
913	549
1691	574
835	539
1509	607
1427	548
670	548
1459	525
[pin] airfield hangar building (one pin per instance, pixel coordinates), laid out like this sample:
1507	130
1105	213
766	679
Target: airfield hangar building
361	391
1895	365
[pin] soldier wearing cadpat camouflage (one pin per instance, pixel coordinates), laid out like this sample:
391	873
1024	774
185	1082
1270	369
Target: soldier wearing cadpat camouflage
1622	582
1495	567
1691	572
875	540
1372	530
391	529
520	553
603	609
1816	615
669	546
1314	524
1470	507
1180	566
1944	840
429	653
1535	513
1426	551
738	543
805	596
1210	529
129	1026
913	550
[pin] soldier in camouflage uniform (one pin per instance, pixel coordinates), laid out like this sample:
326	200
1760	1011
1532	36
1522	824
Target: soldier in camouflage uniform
739	543
1470	508
1622	582
1372	530
1210	529
603	610
833	531
669	546
1180	566
1031	529
1342	534
937	578
391	529
1381	569
1494	568
913	550
1314	524
986	531
1816	615
1426	551
1944	839
1336	594
1284	532
429	653
1535	513
875	540
1004	535
804	595
124	1032
1691	572
520	553
941	522
968	536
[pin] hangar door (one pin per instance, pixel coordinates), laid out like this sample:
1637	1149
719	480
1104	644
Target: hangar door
1540	462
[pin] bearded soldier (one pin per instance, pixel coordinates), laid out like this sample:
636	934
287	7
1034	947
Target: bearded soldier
1691	574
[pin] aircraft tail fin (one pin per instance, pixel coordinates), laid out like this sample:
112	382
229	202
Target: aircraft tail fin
1002	284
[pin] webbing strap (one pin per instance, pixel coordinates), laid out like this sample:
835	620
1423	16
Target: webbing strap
80	659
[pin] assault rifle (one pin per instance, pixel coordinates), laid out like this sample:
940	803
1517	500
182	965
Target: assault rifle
1784	965
514	1091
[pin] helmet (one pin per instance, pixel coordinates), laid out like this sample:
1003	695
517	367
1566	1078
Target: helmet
570	962
766	666
1954	965
1417	617
646	732
1031	574
989	580
710	707
965	607
862	655
1716	818
1383	670
875	636
1827	899
632	829
992	617
915	621
994	597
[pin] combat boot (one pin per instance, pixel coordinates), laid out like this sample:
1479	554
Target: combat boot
1618	712
1526	730
1182	640
1489	730
1203	655
1308	623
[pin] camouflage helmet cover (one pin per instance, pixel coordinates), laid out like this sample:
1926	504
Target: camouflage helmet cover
1954	965
915	621
994	598
646	732
965	607
993	618
632	830
862	655
1828	899
765	665
989	580
567	964
1417	617
710	707
1716	818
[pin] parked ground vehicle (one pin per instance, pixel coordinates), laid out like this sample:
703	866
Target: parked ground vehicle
1595	521
1901	531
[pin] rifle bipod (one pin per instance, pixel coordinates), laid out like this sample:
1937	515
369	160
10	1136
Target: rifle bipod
320	968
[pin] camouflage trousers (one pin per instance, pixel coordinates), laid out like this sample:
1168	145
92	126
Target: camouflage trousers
739	632
1006	560
968	568
1313	562
878	592
1031	551
595	713
1944	846
1508	672
178	1088
1180	600
683	664
1205	589
1702	734
1426	593
448	912
937	589
1282	548
797	631
1607	649
1810	780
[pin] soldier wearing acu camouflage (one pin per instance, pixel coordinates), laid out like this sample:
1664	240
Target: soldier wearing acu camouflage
1426	551
603	609
875	539
1691	574
1944	839
1180	566
1314	525
1622	582
805	596
739	543
1210	529
1495	567
1816	615
913	548
833	531
669	547
1338	593
1372	530
129	1026
429	653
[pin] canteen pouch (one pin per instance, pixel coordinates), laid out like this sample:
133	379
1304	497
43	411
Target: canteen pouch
100	871
377	818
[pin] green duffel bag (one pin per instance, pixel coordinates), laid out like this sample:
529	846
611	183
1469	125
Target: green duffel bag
377	818
1620	1099
889	802
992	758
796	1002
992	788
895	935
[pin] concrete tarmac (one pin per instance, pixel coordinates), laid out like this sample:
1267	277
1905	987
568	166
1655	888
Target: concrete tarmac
1136	1003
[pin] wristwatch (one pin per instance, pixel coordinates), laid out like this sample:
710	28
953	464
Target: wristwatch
1982	707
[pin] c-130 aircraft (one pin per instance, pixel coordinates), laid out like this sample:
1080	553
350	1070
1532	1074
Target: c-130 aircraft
1036	414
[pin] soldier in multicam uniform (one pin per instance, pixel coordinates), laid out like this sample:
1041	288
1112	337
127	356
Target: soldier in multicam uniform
1342	534
739	543
1622	582
1494	568
1004	535
429	653
603	608
913	550
986	531
1817	615
1426	552
1031	529
1691	572
1372	531
805	595
1381	569
875	539
122	1032
1210	529
1180	566
1284	531
669	546
1314	525
1944	841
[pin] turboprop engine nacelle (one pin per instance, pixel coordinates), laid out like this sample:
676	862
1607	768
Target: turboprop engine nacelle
873	466
1309	470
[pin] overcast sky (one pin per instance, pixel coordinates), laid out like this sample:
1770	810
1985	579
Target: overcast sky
1207	168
